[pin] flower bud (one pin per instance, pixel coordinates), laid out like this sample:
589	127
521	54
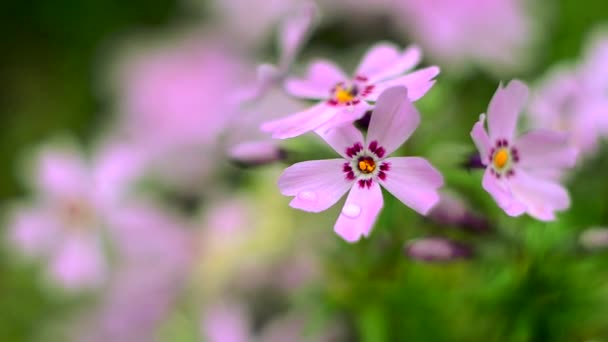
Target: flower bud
437	249
594	238
256	153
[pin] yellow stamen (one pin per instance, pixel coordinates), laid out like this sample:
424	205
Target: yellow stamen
501	158
367	165
343	95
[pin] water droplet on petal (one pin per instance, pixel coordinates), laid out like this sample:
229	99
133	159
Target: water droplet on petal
351	210
307	195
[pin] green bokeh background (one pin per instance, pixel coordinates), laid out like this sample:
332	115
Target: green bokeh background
530	281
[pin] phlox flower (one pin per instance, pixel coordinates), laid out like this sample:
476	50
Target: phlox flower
66	223
345	99
521	171
317	185
565	101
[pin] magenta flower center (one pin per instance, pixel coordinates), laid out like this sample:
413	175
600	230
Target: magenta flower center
365	164
503	158
350	93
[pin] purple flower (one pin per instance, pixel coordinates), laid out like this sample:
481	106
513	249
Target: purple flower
520	171
345	99
317	185
65	225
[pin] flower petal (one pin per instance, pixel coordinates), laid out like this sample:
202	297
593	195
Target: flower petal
417	83
321	77
79	262
414	181
540	196
481	139
341	138
385	60
545	149
359	213
346	116
316	184
294	31
393	120
34	231
302	122
504	109
62	173
502	195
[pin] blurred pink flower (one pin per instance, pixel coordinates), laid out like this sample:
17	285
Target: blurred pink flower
519	172
566	102
437	249
317	185
345	99
66	224
493	33
154	251
293	32
176	102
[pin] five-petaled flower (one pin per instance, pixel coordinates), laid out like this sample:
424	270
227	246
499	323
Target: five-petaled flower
317	185
521	172
344	99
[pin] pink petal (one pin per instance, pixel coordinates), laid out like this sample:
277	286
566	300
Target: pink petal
359	213
34	231
393	120
62	174
302	122
417	83
294	32
346	116
226	322
79	263
341	138
255	152
385	60
504	109
545	149
540	196
481	139
316	185
322	76
414	181
502	195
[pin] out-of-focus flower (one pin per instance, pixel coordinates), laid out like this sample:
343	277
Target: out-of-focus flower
293	32
566	102
230	322
175	102
594	238
74	200
317	185
346	99
154	251
491	33
520	170
256	153
451	211
437	249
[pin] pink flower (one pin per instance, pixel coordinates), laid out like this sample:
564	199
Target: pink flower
65	224
293	32
521	170
317	185
566	102
492	33
345	99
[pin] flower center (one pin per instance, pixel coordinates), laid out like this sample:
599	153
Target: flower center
345	94
366	165
501	158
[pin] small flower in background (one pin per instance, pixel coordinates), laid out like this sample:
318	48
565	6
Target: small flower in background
565	102
317	185
595	238
520	171
175	103
346	99
68	220
256	153
154	252
437	249
293	32
495	34
452	211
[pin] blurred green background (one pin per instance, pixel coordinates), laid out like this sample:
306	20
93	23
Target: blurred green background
537	288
